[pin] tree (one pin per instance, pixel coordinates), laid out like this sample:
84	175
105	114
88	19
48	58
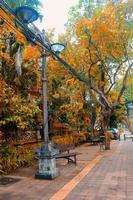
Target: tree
101	49
129	91
84	9
66	97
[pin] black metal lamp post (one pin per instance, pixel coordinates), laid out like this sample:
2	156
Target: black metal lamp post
47	163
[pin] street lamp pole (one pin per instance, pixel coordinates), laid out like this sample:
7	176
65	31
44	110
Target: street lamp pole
47	164
44	94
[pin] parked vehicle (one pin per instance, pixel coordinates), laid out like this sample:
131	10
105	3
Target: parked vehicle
115	133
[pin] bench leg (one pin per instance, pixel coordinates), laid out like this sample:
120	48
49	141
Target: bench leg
75	161
72	160
102	146
124	137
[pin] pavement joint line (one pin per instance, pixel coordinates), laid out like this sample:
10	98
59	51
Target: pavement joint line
15	176
67	188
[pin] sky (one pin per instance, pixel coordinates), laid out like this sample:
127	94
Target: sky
55	14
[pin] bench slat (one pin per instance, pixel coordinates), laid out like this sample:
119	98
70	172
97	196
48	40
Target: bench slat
64	150
64	147
68	157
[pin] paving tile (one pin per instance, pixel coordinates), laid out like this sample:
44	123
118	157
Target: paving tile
114	184
110	179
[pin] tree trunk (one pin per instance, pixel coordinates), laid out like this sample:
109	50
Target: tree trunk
105	124
129	126
107	141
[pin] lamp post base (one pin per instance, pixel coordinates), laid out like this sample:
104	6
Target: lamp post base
47	164
47	175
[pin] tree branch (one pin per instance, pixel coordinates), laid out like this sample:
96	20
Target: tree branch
124	82
114	76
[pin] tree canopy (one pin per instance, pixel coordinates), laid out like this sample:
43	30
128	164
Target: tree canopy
84	9
99	55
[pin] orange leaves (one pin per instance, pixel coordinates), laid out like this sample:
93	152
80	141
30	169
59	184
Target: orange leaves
82	26
113	96
4	15
76	98
31	52
129	81
106	29
8	26
17	107
84	41
5	56
54	69
20	38
2	89
20	111
70	82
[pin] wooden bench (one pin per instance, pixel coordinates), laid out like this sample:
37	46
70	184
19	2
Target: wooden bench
94	140
99	140
64	152
64	147
128	136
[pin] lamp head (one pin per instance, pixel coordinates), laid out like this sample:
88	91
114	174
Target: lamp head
57	47
26	14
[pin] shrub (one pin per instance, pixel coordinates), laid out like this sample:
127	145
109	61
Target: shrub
12	158
75	137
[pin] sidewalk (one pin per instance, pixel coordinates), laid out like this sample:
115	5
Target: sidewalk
98	176
110	179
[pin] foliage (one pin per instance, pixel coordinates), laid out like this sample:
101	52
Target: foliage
100	54
74	138
16	111
19	106
66	97
19	86
12	158
84	9
129	91
101	58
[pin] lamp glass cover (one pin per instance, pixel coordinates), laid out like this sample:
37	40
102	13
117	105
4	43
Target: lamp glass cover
57	47
26	14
